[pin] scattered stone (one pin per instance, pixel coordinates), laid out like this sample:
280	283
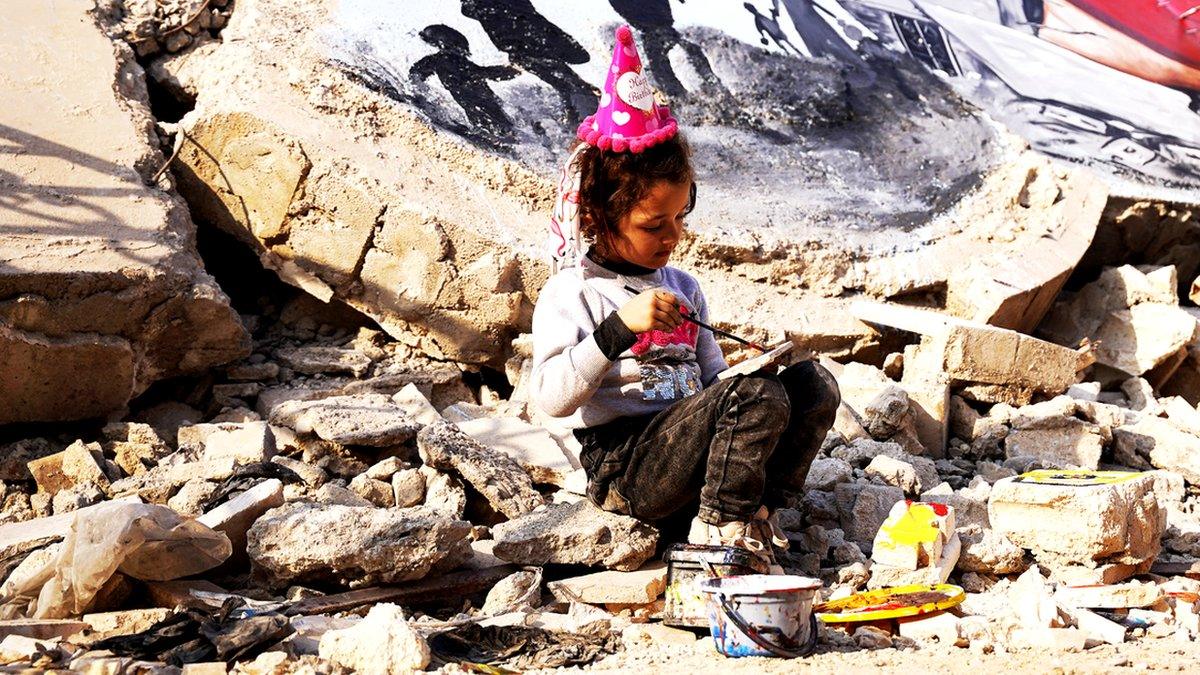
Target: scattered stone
358	546
362	419
1095	626
376	492
234	517
385	468
577	533
518	592
1115	596
863	508
416	405
1084	391
243	443
986	551
314	360
635	588
533	448
381	644
1064	442
497	477
313	476
911	474
1081	526
77	497
1160	443
938	626
124	622
1134	341
41	629
79	463
886	412
642	634
444	493
824	473
408	487
870	637
335	493
1141	395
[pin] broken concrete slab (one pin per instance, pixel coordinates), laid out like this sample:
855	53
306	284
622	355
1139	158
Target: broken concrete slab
1113	596
975	353
610	586
102	292
358	546
518	592
244	443
41	629
1095	626
534	448
496	476
316	360
416	404
444	493
1085	522
235	517
579	534
364	419
1160	443
124	622
1135	340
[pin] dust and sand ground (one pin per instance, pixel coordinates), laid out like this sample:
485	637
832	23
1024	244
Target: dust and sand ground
1165	654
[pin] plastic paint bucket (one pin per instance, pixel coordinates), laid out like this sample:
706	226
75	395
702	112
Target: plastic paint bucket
762	614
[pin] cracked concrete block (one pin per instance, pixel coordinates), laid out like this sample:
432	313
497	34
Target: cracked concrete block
381	644
610	586
1113	520
102	292
1064	442
534	448
577	534
913	535
244	443
1160	443
496	476
361	419
863	508
359	546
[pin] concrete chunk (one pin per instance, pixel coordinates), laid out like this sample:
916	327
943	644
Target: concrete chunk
532	447
496	476
913	535
307	542
579	534
381	644
1087	521
371	420
235	516
636	588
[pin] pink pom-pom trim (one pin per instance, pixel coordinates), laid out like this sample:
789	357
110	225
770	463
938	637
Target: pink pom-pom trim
624	35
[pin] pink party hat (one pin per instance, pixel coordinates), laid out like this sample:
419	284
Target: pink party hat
628	117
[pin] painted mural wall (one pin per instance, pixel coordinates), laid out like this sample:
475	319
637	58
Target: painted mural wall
1112	84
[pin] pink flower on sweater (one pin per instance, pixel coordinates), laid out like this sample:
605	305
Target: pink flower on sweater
684	334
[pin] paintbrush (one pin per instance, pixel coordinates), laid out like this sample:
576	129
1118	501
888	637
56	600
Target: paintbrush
717	331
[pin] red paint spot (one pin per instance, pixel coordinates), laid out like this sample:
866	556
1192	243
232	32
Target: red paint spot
939	509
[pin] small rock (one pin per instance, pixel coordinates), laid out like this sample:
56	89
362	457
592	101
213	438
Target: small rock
375	491
313	360
408	487
381	644
361	419
518	592
333	493
870	637
825	473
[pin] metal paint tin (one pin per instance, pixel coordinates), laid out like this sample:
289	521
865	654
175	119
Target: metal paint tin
687	565
761	614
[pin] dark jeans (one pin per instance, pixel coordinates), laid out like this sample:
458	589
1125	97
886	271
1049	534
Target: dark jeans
737	444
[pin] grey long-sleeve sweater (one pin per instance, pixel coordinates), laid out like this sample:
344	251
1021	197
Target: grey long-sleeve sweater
577	382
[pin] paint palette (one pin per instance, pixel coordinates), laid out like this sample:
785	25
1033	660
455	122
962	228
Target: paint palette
890	603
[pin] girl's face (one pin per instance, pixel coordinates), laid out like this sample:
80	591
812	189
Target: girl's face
648	234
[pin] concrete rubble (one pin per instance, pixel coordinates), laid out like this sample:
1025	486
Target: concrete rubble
343	449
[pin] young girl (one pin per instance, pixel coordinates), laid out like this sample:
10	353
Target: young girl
638	383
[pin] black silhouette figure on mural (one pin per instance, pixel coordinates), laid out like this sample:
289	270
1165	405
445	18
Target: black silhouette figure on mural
466	81
536	45
768	27
653	19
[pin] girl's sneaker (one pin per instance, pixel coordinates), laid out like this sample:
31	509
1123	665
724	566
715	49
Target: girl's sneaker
739	533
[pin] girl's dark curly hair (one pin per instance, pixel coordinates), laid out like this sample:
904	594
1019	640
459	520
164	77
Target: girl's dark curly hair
612	183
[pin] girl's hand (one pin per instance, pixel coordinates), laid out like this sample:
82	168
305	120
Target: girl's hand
651	310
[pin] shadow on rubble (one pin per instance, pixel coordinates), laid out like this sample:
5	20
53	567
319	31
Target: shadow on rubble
74	211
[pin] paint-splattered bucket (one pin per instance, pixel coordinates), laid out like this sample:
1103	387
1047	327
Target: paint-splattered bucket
762	614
